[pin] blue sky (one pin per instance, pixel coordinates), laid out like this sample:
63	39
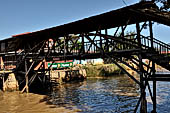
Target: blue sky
19	16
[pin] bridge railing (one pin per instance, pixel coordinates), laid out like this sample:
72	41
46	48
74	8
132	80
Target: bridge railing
111	43
108	44
159	46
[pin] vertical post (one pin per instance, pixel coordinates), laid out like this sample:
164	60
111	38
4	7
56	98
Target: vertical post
64	47
151	34
26	77
138	34
83	44
101	45
66	43
100	40
123	31
3	81
153	69
3	67
54	45
143	108
48	46
107	48
123	35
154	97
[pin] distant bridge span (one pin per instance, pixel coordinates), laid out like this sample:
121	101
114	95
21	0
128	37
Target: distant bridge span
102	36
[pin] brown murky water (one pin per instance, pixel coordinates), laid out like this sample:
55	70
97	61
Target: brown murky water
14	102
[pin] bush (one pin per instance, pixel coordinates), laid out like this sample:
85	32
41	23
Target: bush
102	70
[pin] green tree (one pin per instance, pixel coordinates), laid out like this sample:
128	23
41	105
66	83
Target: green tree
163	4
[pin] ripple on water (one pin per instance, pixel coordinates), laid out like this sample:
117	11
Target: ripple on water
14	102
100	95
108	95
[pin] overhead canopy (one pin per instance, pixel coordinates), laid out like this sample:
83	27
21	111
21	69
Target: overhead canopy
140	12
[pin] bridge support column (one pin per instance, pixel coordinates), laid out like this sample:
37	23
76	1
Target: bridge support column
154	89
83	49
153	69
143	106
154	97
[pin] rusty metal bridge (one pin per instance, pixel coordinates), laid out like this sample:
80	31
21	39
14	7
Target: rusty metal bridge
102	36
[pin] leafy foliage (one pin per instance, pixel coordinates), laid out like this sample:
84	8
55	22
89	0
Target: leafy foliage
164	4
